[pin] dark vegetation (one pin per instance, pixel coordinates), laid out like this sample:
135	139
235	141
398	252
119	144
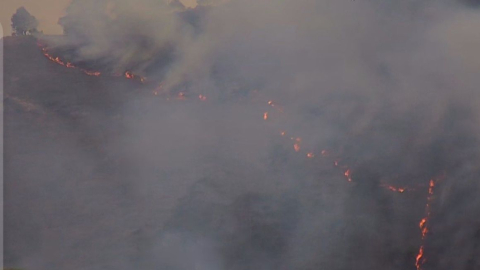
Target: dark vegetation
23	23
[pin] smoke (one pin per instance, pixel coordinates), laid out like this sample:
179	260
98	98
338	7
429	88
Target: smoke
123	34
388	88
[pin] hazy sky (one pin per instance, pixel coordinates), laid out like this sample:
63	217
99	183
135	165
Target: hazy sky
46	11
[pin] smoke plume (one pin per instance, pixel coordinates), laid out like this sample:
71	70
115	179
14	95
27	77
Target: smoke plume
313	109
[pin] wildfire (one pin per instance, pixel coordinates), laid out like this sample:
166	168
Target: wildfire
129	75
430	187
395	189
57	60
181	96
419	260
423	224
324	153
296	147
392	188
275	105
92	73
423	227
348	175
67	64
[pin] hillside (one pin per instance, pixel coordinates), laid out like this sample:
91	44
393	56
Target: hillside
93	181
58	123
101	173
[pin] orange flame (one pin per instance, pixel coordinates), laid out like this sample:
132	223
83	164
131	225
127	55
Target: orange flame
265	115
420	260
128	74
430	187
67	64
424	227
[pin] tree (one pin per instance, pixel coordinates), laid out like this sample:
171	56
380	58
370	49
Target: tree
23	23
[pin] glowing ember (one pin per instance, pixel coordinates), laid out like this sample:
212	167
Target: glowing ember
181	96
422	223
202	97
265	115
129	75
282	133
296	146
401	190
310	155
348	175
430	188
423	227
394	189
92	73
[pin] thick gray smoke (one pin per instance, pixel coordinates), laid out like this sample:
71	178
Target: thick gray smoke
389	88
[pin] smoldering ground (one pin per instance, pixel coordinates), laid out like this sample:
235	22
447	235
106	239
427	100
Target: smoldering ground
388	89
